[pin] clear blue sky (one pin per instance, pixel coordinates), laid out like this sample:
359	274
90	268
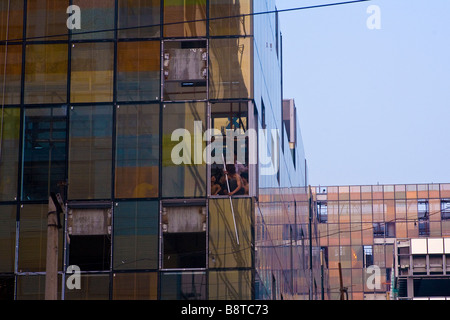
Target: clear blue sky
374	105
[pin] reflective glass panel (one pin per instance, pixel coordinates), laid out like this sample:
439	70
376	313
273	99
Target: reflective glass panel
44	152
9	152
138	71
7	237
33	239
137	159
230	68
222	233
11	13
46	73
135	286
136	235
183	168
47	18
32	287
239	24
183	286
11	80
230	285
95	15
178	11
90	152
135	14
92	72
93	287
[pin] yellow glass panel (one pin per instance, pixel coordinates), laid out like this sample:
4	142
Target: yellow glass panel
176	12
231	68
183	173
9	150
46	73
135	286
239	23
92	72
230	285
225	252
33	239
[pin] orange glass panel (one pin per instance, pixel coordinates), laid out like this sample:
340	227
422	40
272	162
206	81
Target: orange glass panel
445	190
377	192
435	209
389	206
366	192
355	192
239	24
135	286
388	192
411	191
378	211
333	193
47	18
12	83
176	12
231	68
12	12
344	193
138	71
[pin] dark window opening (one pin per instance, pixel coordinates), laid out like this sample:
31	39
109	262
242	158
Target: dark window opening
424	228
368	256
445	209
7	288
184	250
89	230
378	230
322	212
422	209
184	237
90	252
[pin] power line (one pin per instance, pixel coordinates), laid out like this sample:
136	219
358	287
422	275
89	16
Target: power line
187	21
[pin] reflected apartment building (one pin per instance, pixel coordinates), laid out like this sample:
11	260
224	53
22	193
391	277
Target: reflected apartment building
362	226
91	114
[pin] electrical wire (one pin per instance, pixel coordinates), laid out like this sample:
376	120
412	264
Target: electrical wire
191	21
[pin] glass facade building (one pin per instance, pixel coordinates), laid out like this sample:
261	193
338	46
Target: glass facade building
358	227
95	114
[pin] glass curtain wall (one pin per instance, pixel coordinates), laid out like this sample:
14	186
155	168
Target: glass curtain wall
90	113
364	221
